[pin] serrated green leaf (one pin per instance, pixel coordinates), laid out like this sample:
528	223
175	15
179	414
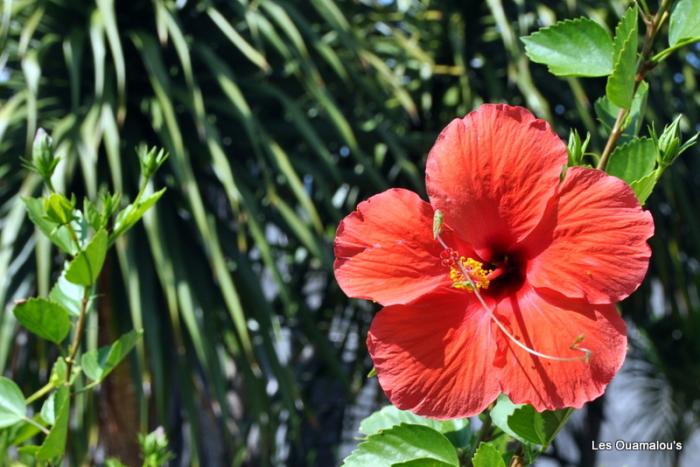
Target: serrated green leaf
55	443
85	268
500	413
685	21
401	444
487	456
527	424
579	47
644	186
46	319
391	416
523	423
620	85
633	160
58	235
131	214
13	408
420	463
98	363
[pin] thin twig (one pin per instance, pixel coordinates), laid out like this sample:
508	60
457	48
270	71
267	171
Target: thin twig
40	393
75	345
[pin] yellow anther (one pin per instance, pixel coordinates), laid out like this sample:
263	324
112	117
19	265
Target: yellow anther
476	271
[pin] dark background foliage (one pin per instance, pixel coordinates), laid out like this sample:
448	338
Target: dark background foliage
281	115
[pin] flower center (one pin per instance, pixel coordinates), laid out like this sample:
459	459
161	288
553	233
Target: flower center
475	269
469	274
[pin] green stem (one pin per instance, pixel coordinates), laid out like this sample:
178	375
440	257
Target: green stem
40	393
661	56
75	345
644	66
37	425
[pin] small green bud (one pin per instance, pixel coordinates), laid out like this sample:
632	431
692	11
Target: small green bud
99	215
670	144
150	160
59	209
91	214
577	148
438	220
43	161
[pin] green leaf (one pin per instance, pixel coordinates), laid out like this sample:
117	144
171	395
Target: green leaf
59	372
114	462
55	443
28	450
390	416
487	456
58	235
500	413
401	444
644	186
633	160
131	214
420	463
620	86
13	408
685	21
98	363
579	47
523	423
46	319
607	112
48	409
67	294
85	268
527	424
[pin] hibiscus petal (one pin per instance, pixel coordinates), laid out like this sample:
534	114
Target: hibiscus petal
493	172
385	250
551	326
435	356
599	248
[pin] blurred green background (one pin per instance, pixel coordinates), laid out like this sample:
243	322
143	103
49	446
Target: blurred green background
280	116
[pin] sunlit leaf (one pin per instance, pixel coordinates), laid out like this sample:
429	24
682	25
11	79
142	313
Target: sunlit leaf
487	456
46	319
633	160
403	443
620	86
685	21
579	47
12	406
85	268
98	363
55	443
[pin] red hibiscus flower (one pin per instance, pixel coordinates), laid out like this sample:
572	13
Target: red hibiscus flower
517	292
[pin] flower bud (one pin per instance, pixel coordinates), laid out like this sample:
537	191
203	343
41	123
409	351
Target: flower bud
59	209
43	160
150	160
577	148
670	146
